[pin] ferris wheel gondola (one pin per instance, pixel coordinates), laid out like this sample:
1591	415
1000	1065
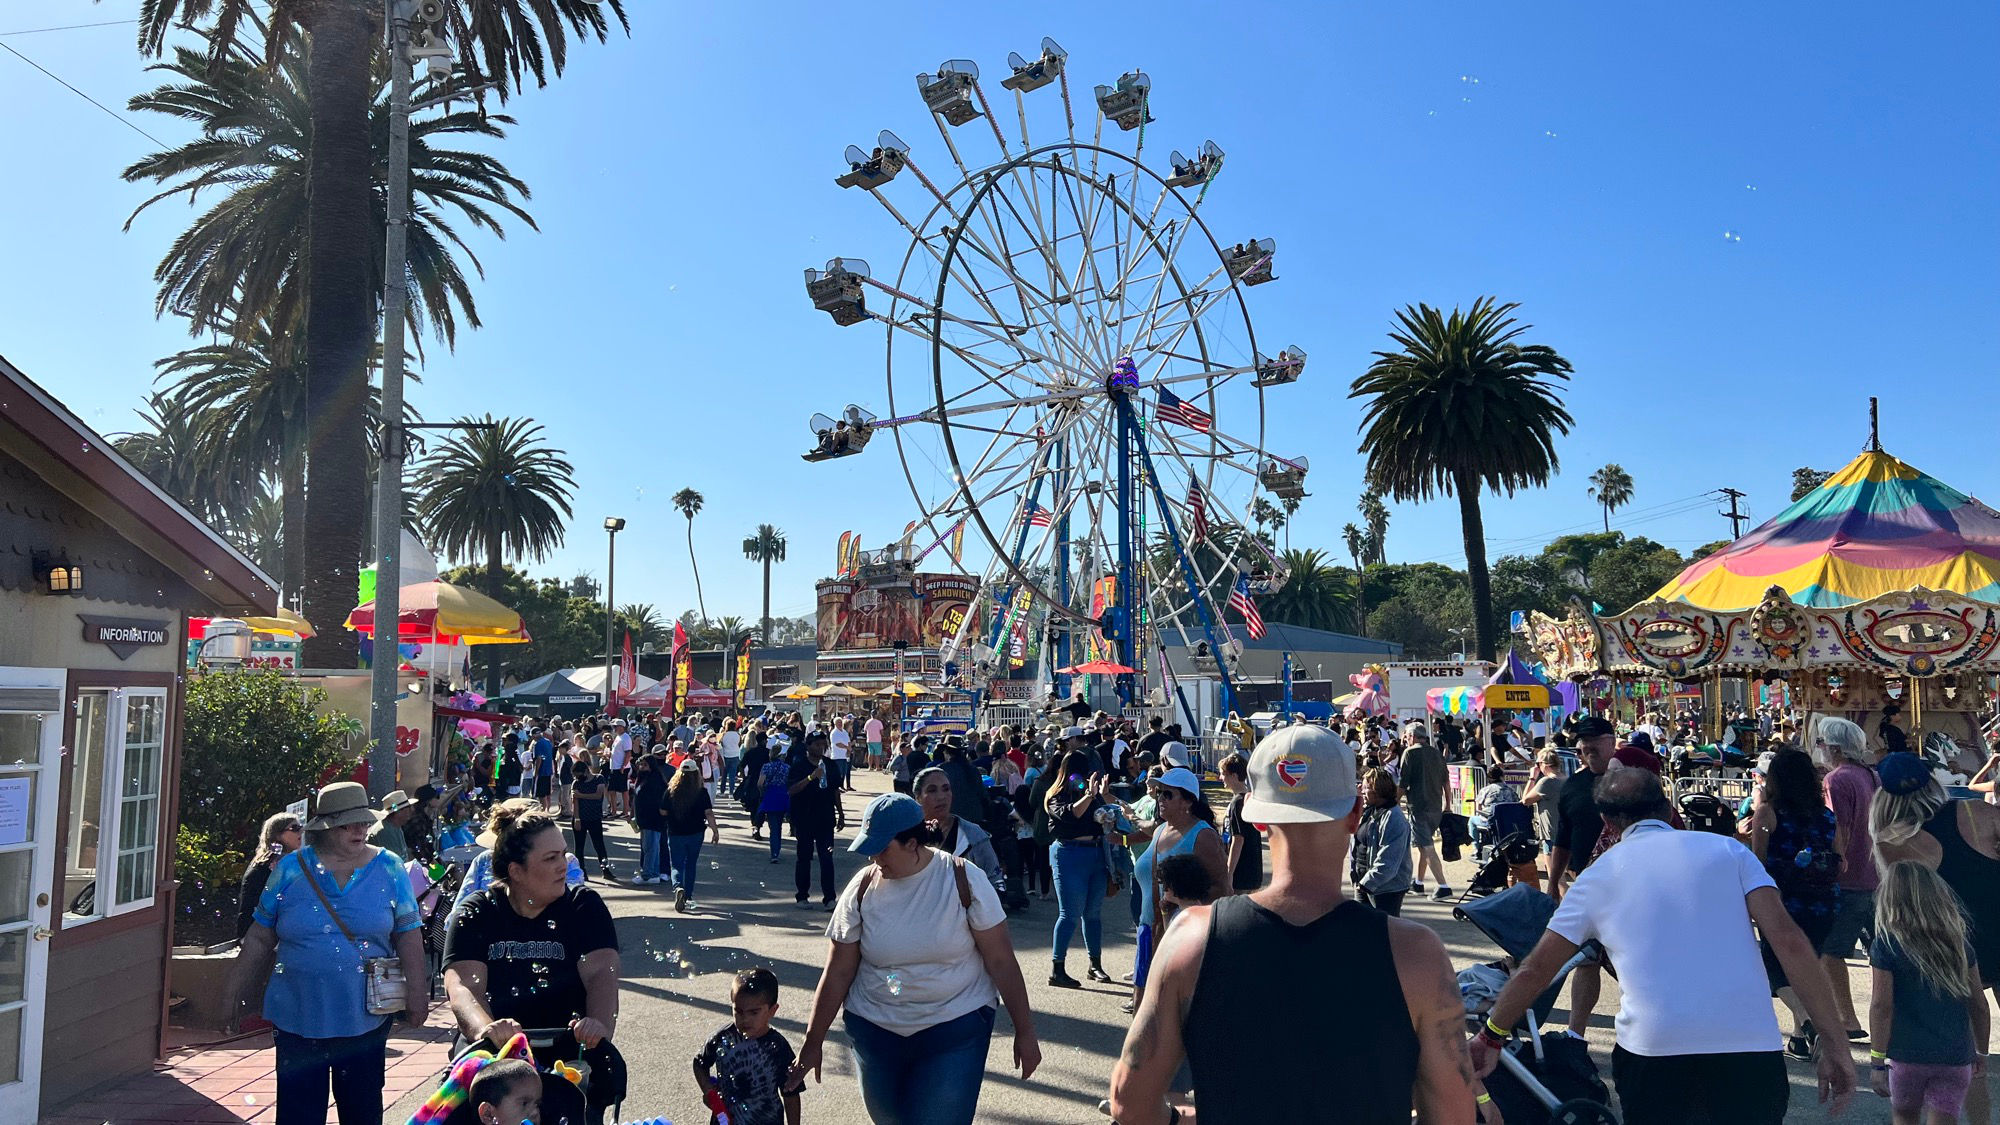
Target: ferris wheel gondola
1073	379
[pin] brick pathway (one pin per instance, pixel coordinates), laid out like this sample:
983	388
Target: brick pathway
238	1082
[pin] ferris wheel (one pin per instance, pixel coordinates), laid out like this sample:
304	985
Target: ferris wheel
1073	380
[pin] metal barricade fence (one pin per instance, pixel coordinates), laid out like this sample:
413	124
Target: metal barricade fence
1732	789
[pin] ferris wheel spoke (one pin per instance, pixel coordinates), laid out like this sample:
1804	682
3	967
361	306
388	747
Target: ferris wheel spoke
1005	339
1047	303
937	255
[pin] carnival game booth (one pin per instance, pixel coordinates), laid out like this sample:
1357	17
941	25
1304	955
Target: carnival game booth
1880	586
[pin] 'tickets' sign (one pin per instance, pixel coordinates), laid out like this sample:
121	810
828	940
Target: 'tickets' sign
124	635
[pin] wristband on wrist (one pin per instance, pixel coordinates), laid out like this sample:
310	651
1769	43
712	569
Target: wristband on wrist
1483	1099
1877	1055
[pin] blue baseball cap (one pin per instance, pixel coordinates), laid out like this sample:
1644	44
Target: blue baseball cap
884	818
1903	773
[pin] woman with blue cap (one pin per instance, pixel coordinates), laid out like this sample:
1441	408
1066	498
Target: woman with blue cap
919	959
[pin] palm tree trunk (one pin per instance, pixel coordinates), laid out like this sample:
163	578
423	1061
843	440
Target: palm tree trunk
698	599
1467	486
342	240
767	601
292	486
1607	519
1360	597
493	579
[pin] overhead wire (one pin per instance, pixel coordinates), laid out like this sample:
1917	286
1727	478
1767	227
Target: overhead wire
108	111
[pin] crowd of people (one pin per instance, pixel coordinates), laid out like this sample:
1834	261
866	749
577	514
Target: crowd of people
1844	843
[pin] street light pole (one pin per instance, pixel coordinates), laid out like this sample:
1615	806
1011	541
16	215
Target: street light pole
612	526
389	471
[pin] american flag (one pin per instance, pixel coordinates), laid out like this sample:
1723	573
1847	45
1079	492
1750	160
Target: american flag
1039	516
1199	510
1239	600
1177	410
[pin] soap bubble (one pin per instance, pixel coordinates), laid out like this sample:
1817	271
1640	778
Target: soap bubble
894	981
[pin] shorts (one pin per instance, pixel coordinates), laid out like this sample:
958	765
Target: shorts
1854	915
1745	1089
1914	1087
874	749
615	782
1142	960
1424	828
542	787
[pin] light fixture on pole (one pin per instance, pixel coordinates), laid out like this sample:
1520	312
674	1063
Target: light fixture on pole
612	526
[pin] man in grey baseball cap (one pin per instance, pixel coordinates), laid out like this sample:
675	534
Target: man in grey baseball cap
1285	957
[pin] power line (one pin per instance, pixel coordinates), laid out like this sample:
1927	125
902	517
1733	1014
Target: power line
68	27
108	112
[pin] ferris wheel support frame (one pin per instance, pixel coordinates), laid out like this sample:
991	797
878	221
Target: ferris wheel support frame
1188	574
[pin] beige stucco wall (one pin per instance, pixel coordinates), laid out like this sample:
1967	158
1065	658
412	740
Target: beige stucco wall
42	631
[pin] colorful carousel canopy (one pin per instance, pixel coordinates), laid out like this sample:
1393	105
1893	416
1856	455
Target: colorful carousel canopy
1875	527
1881	568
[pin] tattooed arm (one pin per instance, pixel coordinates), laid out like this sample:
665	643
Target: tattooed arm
1153	1048
1445	1088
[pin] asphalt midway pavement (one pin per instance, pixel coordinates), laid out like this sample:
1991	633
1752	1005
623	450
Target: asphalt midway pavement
677	971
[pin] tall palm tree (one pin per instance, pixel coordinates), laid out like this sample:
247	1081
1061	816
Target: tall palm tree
765	545
1316	595
689	502
1291	506
1265	514
491	490
1611	487
1357	546
1375	517
1462	405
496	40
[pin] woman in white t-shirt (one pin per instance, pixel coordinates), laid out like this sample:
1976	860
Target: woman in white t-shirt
920	955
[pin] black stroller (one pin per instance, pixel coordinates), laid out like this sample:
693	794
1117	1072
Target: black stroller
1541	1078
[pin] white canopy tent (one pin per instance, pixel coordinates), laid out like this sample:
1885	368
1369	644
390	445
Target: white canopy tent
592	679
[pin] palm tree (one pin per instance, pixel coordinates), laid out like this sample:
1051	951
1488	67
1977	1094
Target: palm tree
342	224
642	621
245	395
1375	517
1315	596
491	488
1357	546
168	449
1462	405
1611	487
765	545
1264	514
1291	506
688	502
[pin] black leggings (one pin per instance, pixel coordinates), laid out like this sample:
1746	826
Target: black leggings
592	830
1035	865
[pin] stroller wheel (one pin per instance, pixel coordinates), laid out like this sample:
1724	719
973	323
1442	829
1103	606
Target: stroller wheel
1582	1111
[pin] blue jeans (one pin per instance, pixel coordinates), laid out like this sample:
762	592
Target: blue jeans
729	767
649	853
930	1077
683	851
774	823
354	1066
1080	878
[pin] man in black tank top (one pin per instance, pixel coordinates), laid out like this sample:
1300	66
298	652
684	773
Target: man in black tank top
1368	1019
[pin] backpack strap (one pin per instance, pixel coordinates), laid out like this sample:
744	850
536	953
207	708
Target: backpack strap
964	883
957	871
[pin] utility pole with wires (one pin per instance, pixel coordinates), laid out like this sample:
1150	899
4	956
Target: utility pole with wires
1735	517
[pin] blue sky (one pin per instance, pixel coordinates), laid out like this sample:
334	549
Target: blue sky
682	178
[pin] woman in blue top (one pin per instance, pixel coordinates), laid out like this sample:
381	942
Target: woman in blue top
336	886
1186	827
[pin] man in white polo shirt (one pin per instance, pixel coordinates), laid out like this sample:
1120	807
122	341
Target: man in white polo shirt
1697	1038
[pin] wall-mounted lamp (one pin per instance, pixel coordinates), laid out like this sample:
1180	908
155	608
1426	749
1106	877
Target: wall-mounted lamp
61	576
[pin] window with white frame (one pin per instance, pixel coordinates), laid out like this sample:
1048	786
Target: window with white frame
113	846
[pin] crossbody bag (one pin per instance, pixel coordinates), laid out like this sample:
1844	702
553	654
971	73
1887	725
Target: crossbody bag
388	990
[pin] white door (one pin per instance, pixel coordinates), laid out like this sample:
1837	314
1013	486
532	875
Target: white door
30	750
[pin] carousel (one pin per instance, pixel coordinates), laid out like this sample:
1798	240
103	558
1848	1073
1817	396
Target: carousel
1880	587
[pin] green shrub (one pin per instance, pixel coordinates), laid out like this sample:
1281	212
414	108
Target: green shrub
197	859
252	744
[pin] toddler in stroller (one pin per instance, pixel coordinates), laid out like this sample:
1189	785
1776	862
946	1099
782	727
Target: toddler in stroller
1541	1078
567	1090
